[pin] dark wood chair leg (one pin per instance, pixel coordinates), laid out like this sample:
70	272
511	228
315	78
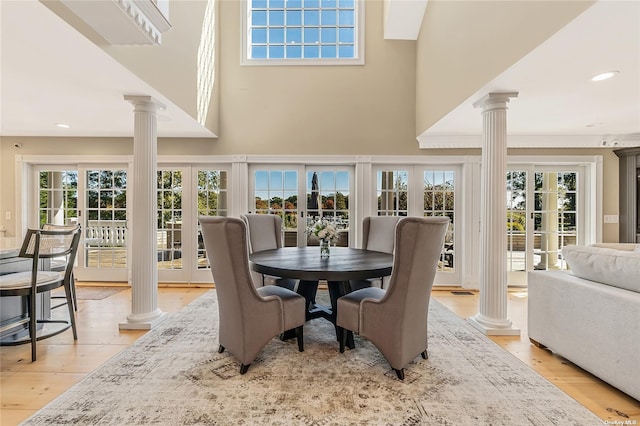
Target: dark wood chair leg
299	337
32	324
424	354
399	373
342	337
220	349
72	312
244	368
73	293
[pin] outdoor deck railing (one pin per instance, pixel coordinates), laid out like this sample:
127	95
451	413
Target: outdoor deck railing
106	233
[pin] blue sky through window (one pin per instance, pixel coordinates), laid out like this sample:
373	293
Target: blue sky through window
302	29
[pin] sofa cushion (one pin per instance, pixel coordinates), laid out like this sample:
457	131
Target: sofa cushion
618	246
618	268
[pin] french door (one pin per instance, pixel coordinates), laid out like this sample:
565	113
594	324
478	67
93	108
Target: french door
301	195
102	197
184	193
544	214
424	190
96	198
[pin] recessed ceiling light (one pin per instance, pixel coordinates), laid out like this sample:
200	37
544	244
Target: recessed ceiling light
63	126
604	76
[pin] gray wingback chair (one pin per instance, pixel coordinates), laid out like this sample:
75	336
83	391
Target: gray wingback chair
249	317
378	234
395	320
265	233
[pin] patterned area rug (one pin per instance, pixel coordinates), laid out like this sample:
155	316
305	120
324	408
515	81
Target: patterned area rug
173	375
91	293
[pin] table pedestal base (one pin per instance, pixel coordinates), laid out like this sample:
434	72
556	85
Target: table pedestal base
308	290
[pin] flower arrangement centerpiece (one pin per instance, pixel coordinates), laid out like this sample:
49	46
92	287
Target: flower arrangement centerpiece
326	233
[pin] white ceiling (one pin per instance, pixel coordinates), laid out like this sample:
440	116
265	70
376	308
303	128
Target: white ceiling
51	74
557	104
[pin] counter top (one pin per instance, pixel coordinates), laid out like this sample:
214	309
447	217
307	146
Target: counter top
6	253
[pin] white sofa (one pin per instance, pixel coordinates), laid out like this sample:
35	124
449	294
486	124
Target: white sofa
590	315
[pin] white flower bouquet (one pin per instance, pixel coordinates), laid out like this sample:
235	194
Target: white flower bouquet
324	231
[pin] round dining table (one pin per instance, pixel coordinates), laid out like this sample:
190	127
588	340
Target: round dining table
306	265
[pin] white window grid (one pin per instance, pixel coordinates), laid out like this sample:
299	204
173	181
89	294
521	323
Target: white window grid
439	200
212	200
169	192
68	193
313	32
392	191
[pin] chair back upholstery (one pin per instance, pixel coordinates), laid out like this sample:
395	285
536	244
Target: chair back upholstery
378	233
49	244
58	264
418	244
265	231
240	307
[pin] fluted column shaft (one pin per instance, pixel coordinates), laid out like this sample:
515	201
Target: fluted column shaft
144	265
492	315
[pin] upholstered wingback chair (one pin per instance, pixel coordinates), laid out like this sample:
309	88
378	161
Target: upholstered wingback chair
395	320
265	233
378	234
249	317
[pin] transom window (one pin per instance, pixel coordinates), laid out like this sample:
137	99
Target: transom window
303	31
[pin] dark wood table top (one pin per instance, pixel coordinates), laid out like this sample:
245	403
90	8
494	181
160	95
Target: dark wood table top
304	263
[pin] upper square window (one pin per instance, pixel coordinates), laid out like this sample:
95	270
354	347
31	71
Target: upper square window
303	32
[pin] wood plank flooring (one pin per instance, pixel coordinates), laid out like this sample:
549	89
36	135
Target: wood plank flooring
26	387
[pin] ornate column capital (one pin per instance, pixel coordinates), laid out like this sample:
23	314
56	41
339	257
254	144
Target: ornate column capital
145	103
497	100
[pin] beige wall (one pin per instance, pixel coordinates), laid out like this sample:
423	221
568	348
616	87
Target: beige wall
465	44
318	109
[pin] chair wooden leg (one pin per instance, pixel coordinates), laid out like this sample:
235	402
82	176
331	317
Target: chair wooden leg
70	305
399	373
342	337
244	368
220	349
73	292
31	300
299	338
424	354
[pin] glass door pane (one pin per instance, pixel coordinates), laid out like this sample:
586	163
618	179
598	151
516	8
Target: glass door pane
169	223
105	224
327	194
212	197
58	197
517	226
555	217
439	200
275	191
392	188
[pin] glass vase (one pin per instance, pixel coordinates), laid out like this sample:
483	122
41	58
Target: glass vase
324	248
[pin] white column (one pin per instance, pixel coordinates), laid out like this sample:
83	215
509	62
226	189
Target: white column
492	316
145	313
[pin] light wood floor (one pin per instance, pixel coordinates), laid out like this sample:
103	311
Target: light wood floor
26	387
